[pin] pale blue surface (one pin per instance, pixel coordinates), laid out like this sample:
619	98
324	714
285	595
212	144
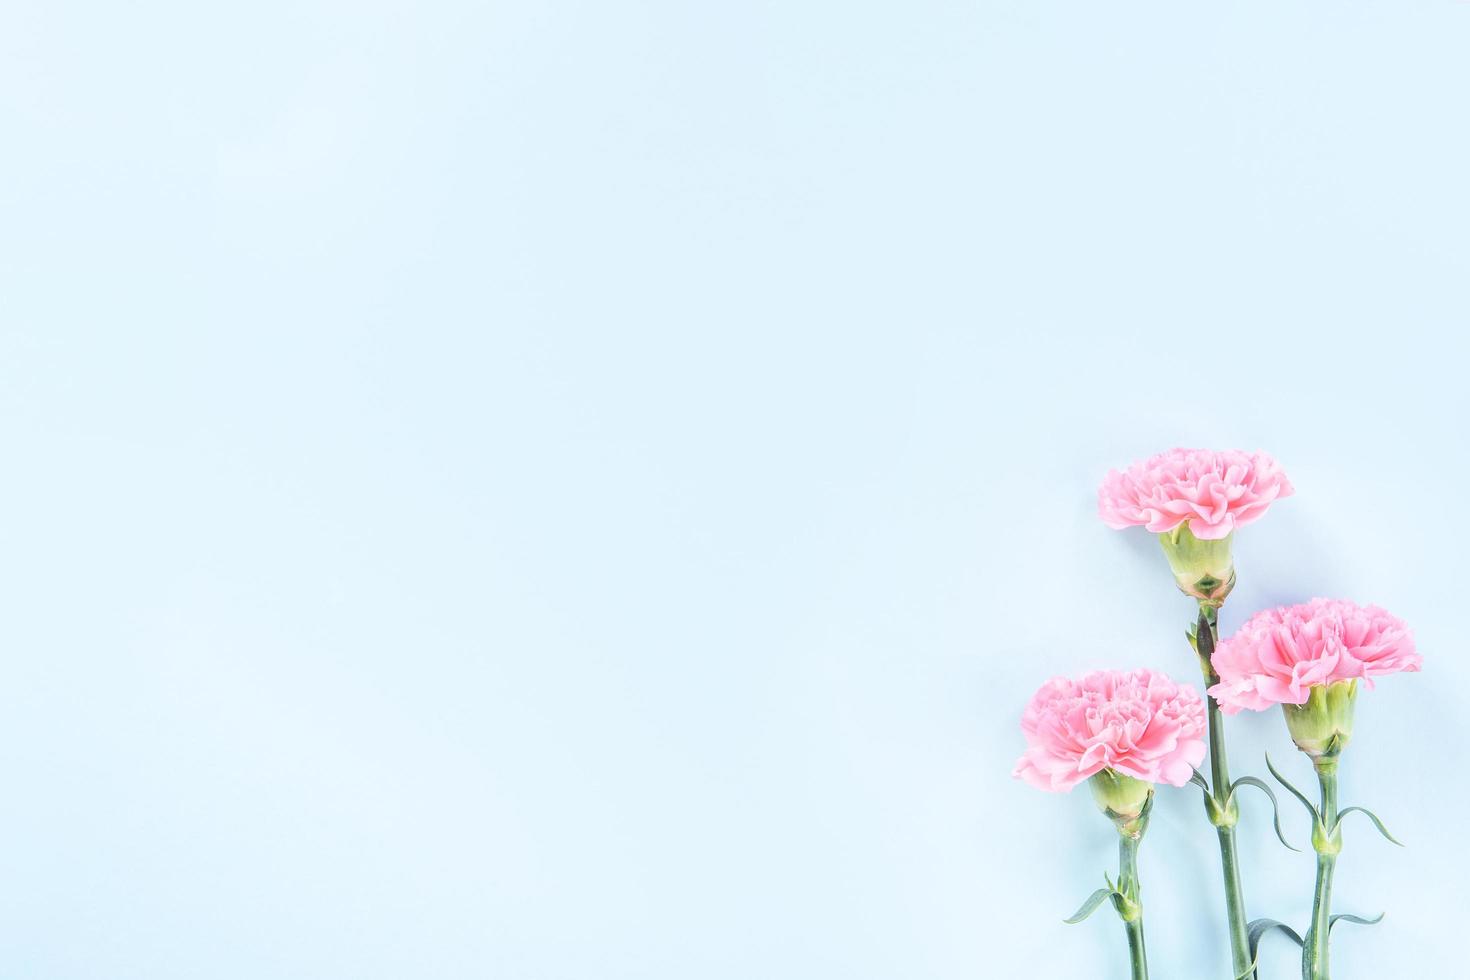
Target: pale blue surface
581	491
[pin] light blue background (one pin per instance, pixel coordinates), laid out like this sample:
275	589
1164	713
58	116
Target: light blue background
582	491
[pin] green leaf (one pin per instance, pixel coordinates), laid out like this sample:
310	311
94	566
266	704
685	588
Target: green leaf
1275	808
1259	927
1204	636
1371	816
1294	791
1255	932
1199	780
1355	919
1089	906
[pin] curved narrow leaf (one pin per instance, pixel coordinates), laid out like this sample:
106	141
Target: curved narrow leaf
1275	809
1254	932
1294	791
1371	816
1199	780
1089	906
1355	919
1259	927
1204	787
1205	637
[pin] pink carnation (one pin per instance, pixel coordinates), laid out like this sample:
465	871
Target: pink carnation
1216	492
1279	655
1139	723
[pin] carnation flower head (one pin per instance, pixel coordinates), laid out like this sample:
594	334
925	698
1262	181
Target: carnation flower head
1212	492
1280	655
1137	723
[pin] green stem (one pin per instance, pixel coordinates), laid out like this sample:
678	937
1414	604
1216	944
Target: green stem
1327	841
1225	813
1137	956
1132	906
1240	958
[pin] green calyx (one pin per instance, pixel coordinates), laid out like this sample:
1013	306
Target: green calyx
1322	727
1204	570
1124	800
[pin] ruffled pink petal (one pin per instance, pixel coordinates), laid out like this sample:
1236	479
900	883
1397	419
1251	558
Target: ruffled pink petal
1280	655
1178	768
1214	491
1139	723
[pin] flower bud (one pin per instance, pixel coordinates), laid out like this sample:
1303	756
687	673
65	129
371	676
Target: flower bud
1126	801
1321	727
1202	569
